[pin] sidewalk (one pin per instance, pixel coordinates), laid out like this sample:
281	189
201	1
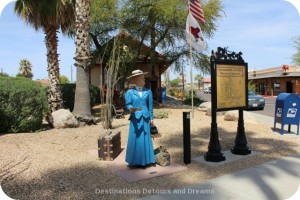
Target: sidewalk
269	96
275	180
270	121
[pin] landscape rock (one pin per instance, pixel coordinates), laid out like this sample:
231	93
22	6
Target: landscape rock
202	109
208	112
205	105
233	115
63	118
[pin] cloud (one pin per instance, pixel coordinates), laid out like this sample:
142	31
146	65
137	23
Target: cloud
295	3
4	3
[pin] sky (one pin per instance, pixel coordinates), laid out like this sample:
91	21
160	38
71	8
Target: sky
262	30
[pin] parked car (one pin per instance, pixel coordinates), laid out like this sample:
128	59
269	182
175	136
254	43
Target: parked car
255	101
206	90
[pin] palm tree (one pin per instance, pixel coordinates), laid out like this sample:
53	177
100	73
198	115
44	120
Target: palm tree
82	107
50	16
198	78
25	68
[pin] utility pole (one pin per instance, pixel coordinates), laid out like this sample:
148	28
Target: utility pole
183	81
182	74
71	74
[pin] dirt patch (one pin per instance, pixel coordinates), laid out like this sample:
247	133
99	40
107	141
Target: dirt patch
61	163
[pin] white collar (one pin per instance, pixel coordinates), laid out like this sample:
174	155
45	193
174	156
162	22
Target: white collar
140	89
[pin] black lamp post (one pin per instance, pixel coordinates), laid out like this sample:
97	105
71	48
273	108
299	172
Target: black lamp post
214	153
240	147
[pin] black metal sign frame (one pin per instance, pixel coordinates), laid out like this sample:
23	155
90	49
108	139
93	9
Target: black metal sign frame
229	60
231	79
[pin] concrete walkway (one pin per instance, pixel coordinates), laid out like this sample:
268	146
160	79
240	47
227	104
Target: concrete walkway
270	121
275	180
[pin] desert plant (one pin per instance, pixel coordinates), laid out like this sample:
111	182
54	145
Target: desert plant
174	92
112	69
197	101
23	105
188	94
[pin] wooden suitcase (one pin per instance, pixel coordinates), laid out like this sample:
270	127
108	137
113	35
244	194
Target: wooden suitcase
109	145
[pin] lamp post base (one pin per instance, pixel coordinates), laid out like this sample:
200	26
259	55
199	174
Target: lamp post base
214	157
240	151
240	147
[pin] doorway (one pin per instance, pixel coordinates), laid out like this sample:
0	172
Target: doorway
154	89
289	87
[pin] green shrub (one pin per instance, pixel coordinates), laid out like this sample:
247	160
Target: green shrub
95	95
23	104
197	101
68	93
174	92
188	94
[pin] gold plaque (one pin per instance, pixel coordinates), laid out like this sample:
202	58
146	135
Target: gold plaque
231	86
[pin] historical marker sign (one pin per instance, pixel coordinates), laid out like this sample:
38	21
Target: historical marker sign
231	82
229	79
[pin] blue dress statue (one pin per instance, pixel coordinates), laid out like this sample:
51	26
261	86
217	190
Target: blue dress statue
139	151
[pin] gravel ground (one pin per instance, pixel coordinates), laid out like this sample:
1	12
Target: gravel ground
63	164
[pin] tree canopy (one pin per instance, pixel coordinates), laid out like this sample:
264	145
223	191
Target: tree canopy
49	16
25	68
159	24
296	56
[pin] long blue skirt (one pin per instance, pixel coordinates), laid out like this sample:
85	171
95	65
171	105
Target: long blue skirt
139	150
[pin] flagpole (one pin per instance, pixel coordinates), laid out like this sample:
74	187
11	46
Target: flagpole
191	66
194	8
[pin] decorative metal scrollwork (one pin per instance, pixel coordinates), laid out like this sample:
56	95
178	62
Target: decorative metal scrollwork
224	54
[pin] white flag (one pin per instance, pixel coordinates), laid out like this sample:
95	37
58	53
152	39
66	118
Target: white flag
194	34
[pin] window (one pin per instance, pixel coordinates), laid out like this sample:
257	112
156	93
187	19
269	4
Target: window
276	87
262	88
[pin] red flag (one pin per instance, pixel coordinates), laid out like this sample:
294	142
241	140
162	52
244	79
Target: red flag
196	10
194	34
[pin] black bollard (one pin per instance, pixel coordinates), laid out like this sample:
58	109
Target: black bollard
186	138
